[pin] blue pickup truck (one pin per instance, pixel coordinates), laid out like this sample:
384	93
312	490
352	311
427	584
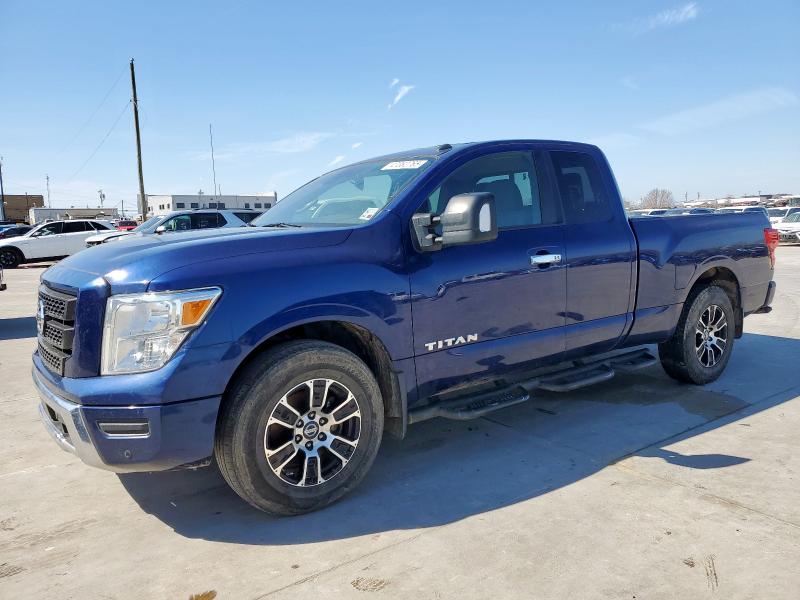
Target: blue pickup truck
440	282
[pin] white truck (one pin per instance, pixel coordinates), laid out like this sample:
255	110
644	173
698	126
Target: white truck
49	241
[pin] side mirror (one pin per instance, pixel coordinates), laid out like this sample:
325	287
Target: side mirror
160	229
467	219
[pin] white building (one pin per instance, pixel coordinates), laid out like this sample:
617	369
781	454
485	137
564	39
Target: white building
158	204
38	215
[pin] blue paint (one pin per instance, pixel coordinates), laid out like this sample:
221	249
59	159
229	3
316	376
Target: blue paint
621	283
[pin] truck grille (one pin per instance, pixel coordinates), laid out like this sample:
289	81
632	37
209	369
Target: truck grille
56	326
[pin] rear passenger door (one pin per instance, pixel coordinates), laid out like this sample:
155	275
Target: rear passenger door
600	250
74	236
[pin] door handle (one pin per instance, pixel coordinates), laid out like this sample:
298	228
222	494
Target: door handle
545	259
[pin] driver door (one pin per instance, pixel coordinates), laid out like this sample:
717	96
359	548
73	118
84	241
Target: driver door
44	242
482	310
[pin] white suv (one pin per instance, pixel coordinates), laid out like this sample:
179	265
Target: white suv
185	220
48	241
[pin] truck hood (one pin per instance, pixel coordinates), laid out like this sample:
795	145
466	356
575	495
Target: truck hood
131	263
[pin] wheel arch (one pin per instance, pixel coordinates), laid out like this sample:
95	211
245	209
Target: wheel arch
727	280
360	341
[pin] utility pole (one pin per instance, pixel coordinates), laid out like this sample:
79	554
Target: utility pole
47	179
2	194
102	197
213	164
123	209
138	142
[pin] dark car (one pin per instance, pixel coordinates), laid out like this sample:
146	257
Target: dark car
9	231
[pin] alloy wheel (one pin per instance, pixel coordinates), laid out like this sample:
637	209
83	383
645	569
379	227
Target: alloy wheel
711	336
312	432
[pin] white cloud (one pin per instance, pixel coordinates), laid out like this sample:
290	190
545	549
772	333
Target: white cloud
666	18
394	82
357	145
402	91
735	107
336	160
629	82
298	142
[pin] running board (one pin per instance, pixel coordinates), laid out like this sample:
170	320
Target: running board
580	374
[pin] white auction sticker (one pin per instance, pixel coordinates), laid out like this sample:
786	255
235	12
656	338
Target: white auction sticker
404	164
368	214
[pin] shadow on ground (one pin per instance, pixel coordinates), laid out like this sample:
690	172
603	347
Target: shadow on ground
17	328
445	471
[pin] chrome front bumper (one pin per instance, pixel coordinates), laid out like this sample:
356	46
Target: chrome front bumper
63	421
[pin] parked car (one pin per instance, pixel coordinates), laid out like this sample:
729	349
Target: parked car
428	283
125	225
777	215
9	231
687	211
756	209
185	220
789	228
49	241
647	212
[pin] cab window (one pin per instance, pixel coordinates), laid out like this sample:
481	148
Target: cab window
583	195
510	176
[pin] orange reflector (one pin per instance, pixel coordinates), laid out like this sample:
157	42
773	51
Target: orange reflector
193	311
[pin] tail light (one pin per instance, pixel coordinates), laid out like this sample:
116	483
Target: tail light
771	238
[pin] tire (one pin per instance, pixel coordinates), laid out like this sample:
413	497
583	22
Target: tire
10	258
692	354
275	382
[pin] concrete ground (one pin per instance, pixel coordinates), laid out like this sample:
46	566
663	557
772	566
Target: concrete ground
639	488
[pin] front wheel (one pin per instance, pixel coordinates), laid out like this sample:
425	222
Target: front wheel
10	258
300	428
701	346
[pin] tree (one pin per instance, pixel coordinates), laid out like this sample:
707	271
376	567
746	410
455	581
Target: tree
657	198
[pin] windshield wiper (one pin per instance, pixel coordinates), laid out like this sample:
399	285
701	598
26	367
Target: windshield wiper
281	225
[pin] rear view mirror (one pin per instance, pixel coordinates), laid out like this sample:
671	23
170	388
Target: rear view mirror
160	229
467	219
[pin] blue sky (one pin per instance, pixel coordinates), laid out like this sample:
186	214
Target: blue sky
696	97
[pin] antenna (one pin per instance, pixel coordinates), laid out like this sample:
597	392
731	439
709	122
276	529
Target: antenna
213	163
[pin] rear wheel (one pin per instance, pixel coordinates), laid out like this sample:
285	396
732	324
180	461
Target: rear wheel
300	428
10	258
701	345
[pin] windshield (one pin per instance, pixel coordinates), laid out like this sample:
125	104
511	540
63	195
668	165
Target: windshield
148	226
348	196
792	218
777	212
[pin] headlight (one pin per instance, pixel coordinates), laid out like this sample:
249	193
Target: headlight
142	331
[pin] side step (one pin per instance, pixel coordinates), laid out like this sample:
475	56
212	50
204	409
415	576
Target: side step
472	407
575	378
579	374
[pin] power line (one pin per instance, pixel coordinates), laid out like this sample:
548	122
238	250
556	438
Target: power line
94	112
105	137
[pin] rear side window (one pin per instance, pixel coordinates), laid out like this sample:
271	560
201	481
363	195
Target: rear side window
246	216
76	227
207	220
583	195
